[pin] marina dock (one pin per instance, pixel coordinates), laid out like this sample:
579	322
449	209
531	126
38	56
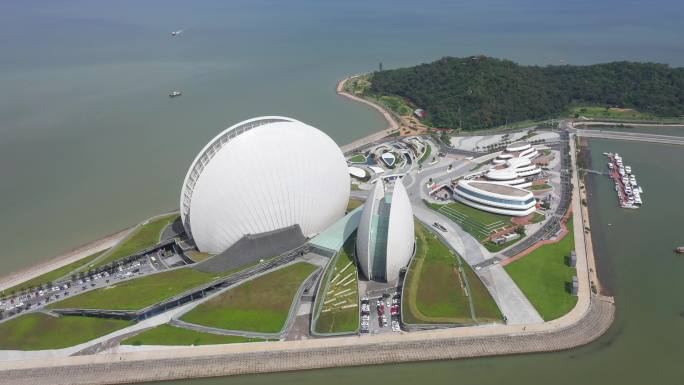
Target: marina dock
626	187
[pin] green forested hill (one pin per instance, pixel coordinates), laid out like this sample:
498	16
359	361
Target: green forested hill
485	92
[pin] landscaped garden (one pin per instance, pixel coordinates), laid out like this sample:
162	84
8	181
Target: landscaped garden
441	288
53	275
358	158
340	309
544	276
171	335
259	305
38	331
540	186
426	153
354	203
480	224
144	236
139	293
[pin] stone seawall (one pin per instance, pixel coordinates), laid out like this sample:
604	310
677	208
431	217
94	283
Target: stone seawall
365	351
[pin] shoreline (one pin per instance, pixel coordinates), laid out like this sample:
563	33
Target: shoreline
392	125
71	256
591	317
54	263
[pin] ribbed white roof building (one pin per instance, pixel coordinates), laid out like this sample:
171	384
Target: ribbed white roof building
385	240
516	150
495	197
261	175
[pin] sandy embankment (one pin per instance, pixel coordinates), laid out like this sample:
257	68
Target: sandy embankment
392	125
55	263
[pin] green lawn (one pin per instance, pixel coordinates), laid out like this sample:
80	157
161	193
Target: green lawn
198	256
543	276
480	224
139	293
37	331
426	154
486	309
537	217
436	286
175	336
145	236
395	104
596	112
354	203
52	275
543	186
259	305
342	313
358	158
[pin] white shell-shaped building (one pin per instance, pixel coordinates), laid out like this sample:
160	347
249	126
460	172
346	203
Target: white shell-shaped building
385	238
261	175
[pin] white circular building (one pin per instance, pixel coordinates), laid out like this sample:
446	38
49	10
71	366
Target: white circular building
385	240
262	175
495	197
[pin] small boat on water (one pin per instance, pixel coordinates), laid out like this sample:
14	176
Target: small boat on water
175	93
680	249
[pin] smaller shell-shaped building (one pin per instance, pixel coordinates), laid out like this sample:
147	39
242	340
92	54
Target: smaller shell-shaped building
385	238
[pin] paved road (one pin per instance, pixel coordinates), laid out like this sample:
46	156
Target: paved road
512	302
632	136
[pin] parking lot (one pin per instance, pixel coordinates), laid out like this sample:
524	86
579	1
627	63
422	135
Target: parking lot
381	314
42	295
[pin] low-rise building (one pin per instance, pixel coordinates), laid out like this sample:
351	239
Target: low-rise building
495	198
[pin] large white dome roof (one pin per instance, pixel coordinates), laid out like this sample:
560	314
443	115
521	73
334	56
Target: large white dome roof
261	175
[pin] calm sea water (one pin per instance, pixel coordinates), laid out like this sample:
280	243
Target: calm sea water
90	143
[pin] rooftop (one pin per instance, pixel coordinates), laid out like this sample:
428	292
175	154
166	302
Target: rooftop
500	189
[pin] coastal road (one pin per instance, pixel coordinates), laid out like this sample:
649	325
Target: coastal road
632	136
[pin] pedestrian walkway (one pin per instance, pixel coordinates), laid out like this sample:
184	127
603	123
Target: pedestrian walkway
511	301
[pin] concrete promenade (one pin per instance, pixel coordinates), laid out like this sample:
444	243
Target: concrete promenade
77	254
391	128
222	360
633	136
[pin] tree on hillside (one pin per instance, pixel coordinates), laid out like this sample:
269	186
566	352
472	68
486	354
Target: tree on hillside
479	92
